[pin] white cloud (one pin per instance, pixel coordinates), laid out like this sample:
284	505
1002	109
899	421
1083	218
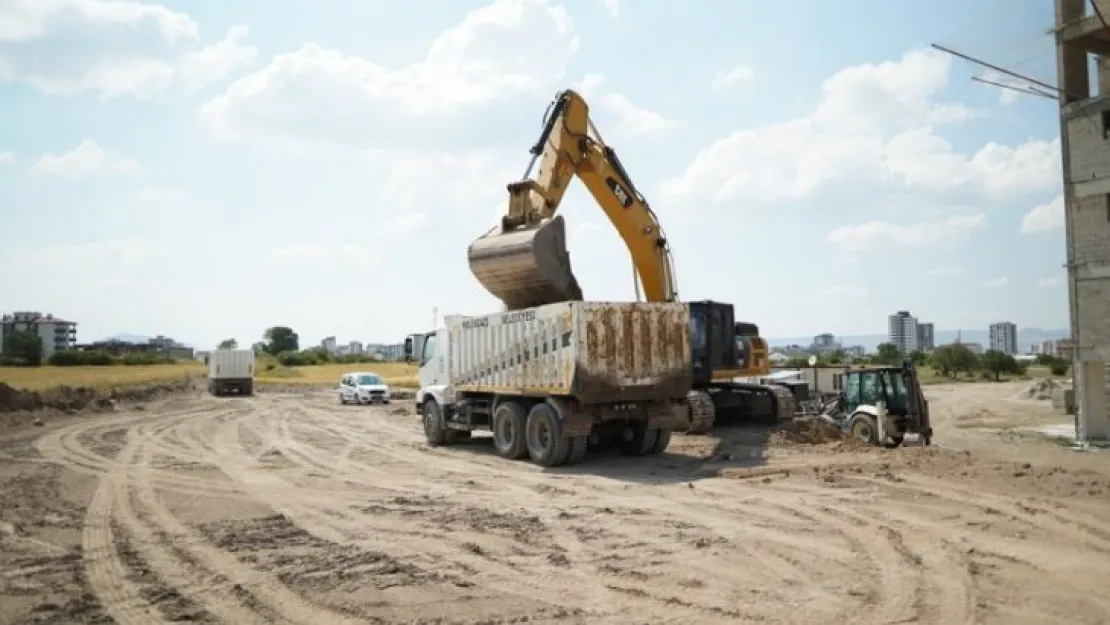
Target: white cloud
944	271
160	196
881	236
1044	217
626	119
995	283
217	61
873	125
114	252
326	254
7	158
110	47
507	52
1006	96
86	158
409	223
612	6
739	78
840	292
1045	283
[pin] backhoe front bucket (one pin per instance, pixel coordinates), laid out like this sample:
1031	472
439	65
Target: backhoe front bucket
525	267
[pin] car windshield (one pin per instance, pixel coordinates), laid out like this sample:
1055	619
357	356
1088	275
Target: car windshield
369	379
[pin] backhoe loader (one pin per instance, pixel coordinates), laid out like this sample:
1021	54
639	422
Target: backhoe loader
523	261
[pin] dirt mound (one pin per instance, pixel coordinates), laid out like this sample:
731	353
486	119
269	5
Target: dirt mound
1042	389
808	431
75	398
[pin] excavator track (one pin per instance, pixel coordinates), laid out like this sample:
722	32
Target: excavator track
702	413
785	404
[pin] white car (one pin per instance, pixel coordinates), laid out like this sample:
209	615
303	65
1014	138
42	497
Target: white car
363	388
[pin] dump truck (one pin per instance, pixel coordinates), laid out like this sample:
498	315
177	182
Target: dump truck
231	370
548	381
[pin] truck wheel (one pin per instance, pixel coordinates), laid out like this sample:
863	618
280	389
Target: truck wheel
508	430
863	429
578	446
546	444
642	441
435	430
662	439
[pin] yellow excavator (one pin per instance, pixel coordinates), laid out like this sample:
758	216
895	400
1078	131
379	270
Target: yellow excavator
524	262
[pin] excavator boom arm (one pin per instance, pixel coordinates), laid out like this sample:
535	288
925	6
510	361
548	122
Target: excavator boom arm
524	261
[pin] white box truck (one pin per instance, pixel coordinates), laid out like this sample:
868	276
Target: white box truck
231	370
552	380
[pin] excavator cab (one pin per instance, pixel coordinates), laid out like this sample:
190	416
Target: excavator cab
712	339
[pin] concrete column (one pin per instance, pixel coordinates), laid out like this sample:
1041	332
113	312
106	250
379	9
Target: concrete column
1093	420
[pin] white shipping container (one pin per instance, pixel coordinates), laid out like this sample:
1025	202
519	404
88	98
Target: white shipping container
597	352
233	364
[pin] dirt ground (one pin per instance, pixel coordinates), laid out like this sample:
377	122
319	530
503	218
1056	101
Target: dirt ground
289	508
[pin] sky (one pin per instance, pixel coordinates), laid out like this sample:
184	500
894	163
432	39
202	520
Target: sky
206	170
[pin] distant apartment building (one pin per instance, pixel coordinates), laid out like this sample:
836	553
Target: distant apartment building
355	347
974	348
824	343
56	334
329	345
903	331
855	351
1003	337
1059	348
926	340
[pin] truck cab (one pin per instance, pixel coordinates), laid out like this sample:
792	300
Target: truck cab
428	351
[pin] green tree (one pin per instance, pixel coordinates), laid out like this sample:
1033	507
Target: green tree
1058	366
952	360
281	339
919	358
23	347
888	354
228	344
996	363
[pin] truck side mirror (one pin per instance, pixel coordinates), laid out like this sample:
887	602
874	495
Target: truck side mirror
408	349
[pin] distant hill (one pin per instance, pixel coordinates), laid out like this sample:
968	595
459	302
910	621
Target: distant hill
1026	337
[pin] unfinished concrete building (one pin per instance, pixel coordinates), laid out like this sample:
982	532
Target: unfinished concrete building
1083	65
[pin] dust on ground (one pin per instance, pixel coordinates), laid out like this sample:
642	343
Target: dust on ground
287	507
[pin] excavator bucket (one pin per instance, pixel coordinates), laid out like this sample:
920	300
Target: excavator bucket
525	267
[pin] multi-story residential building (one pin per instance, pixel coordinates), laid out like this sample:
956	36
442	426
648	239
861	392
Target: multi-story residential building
355	347
855	351
903	331
824	342
329	344
1081	34
926	340
1003	337
56	334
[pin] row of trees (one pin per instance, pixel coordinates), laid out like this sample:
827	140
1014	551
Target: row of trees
23	348
283	344
948	360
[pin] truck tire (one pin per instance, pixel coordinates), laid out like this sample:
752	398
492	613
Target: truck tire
546	444
578	446
862	427
435	429
662	439
509	439
642	441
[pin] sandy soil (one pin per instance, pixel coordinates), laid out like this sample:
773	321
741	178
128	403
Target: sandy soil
288	508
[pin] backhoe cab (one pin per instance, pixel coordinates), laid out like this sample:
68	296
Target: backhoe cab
897	389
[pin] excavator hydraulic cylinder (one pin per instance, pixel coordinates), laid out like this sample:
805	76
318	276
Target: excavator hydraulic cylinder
527	266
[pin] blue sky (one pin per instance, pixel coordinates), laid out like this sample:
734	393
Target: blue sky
206	170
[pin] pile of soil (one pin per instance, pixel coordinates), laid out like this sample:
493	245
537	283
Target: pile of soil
808	431
72	399
1042	389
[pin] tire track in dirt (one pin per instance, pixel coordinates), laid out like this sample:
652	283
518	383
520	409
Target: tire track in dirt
281	601
104	570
